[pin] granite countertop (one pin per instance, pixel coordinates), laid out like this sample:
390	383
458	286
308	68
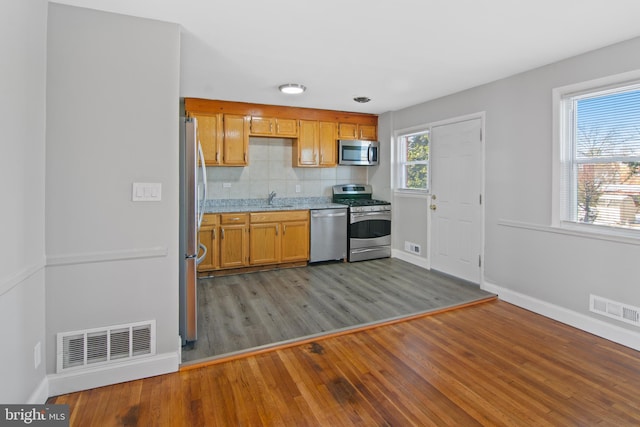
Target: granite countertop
279	204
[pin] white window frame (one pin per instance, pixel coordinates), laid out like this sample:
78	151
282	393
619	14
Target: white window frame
400	155
564	151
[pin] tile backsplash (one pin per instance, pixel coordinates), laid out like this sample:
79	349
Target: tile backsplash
270	169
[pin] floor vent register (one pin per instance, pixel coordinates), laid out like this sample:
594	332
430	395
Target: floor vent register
100	346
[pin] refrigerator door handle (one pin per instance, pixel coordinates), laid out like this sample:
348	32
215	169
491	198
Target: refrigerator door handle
204	185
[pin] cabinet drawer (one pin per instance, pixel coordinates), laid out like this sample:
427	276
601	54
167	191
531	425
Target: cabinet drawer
258	217
209	219
230	219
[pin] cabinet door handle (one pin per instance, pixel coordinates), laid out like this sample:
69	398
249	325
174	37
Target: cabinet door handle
213	234
245	157
222	233
284	229
217	156
277	227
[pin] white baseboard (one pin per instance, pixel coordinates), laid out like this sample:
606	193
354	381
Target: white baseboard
40	394
413	259
85	379
597	327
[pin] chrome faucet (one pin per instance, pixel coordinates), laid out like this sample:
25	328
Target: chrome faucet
271	197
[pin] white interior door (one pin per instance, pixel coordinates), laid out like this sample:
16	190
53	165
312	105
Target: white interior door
456	185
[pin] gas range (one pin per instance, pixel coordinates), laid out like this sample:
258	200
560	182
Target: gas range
364	205
358	198
369	225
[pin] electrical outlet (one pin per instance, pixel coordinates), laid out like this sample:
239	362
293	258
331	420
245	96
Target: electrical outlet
226	185
298	188
37	355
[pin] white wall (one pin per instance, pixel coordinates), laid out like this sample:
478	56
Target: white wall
380	175
22	120
549	272
113	107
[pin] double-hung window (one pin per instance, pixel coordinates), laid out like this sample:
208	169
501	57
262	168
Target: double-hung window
413	161
600	159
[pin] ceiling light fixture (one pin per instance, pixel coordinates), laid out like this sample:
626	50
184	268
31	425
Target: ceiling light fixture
362	99
292	88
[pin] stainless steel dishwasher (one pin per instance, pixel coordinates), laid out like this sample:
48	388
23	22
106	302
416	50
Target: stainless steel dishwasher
328	234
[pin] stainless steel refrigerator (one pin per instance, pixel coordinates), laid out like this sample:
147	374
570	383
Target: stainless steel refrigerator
193	193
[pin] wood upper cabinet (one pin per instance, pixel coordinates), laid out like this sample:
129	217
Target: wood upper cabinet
225	127
236	140
224	139
305	148
357	131
234	240
267	126
210	135
316	145
279	237
328	144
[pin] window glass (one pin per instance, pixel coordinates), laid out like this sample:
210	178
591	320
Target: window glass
601	171
413	161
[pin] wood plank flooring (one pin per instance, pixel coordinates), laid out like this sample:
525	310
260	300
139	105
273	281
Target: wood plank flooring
491	364
254	310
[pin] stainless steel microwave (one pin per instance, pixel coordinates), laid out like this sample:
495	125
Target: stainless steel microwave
358	153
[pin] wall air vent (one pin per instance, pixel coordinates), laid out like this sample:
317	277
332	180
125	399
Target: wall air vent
616	310
99	346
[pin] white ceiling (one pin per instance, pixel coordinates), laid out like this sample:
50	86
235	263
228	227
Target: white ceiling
397	52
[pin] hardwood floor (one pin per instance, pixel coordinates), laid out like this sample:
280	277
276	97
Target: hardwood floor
259	309
490	364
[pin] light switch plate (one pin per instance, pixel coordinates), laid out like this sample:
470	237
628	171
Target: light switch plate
146	192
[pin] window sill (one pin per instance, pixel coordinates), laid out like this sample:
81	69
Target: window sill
411	193
574	231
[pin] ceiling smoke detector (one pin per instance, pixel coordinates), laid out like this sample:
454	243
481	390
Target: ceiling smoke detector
362	99
292	88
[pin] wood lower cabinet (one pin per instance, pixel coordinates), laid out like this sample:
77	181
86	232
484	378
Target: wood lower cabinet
241	241
279	237
295	240
226	239
208	236
233	240
264	243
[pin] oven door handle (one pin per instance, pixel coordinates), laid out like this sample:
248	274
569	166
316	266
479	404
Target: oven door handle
364	214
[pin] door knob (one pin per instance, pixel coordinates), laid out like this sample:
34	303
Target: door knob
432	207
